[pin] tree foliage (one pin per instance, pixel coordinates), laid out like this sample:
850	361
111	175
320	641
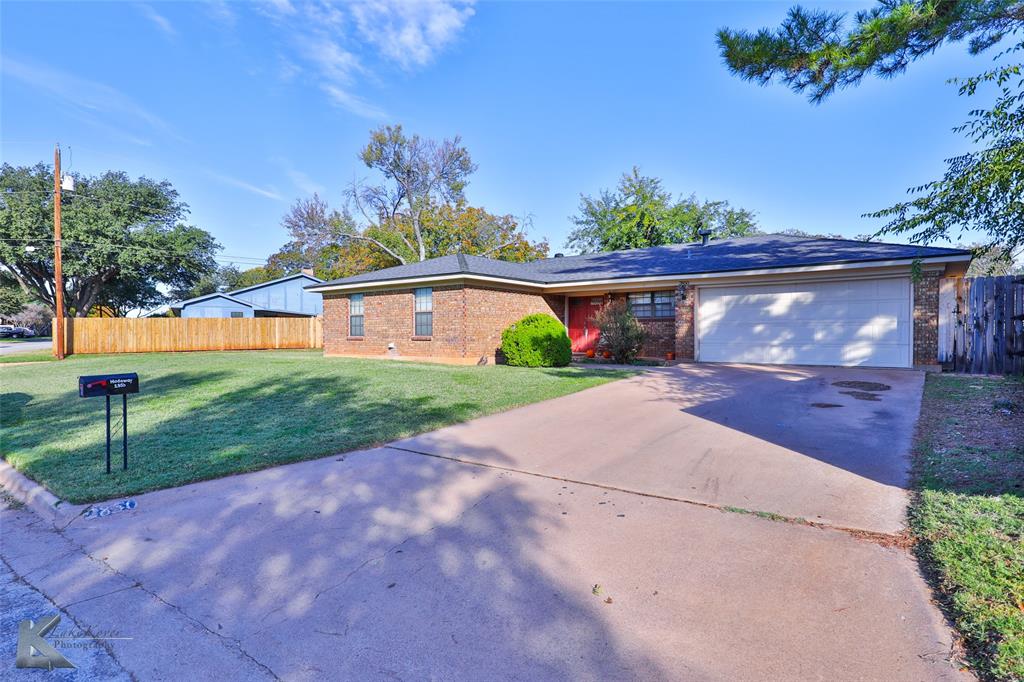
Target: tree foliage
814	51
981	190
12	298
416	175
991	262
117	232
416	212
326	240
641	213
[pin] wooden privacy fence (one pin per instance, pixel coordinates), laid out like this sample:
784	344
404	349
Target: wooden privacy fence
981	324
160	334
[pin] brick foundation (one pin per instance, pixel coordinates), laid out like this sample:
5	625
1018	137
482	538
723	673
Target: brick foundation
926	319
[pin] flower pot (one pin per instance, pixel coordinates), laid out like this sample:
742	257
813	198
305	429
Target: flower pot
590	353
670	356
606	354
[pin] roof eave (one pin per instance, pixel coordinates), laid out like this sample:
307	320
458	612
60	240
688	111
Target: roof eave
569	284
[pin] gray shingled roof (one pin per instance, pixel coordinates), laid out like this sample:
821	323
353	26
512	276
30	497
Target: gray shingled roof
724	255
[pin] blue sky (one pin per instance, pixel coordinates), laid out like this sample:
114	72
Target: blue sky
245	107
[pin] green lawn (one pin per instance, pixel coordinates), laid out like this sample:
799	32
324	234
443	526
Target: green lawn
204	415
969	513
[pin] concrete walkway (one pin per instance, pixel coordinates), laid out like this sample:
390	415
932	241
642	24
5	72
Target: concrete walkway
387	563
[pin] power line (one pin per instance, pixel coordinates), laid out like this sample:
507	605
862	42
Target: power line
245	260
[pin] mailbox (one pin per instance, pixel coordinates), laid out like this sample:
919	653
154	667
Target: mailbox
107	385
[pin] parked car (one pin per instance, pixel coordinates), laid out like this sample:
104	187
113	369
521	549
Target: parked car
8	331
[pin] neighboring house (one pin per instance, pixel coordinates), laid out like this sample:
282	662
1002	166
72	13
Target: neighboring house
283	297
770	299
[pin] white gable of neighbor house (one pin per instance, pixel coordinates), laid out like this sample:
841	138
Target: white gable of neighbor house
216	306
287	295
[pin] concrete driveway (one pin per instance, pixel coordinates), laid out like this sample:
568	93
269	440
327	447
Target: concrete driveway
392	564
730	435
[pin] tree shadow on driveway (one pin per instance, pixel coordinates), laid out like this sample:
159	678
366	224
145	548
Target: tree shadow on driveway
374	564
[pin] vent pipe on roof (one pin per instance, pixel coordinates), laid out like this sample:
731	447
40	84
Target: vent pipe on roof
559	255
705	234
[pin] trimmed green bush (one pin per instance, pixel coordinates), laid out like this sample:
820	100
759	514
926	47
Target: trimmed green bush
536	341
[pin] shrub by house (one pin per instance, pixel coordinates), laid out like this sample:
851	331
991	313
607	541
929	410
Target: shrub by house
537	340
621	333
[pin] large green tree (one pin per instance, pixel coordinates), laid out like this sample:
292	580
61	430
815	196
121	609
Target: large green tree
12	298
981	190
639	213
414	209
414	175
116	231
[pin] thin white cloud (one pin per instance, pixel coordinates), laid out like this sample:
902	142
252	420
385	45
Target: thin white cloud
411	32
85	96
268	192
302	182
334	41
221	11
158	20
354	103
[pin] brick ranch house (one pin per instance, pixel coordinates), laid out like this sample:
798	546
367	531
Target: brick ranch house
768	299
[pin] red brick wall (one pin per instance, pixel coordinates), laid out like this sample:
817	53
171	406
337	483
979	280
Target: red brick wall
468	322
490	311
684	327
660	337
926	319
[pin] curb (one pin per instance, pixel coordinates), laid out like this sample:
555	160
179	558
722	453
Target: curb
37	498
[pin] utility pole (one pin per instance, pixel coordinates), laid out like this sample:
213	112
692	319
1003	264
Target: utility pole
58	274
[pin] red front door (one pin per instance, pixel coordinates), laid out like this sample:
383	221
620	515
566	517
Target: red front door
582	331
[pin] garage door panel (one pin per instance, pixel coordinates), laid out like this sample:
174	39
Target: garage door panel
856	322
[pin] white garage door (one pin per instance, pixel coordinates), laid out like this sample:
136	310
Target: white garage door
851	322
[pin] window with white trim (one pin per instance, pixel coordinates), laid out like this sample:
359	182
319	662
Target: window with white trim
653	304
237	313
424	312
355	315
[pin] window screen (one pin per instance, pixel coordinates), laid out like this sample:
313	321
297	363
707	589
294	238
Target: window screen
424	312
664	304
641	305
653	304
355	315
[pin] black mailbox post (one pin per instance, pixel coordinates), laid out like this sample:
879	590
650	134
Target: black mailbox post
106	385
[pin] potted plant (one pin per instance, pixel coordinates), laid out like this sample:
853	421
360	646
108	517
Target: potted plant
606	354
591	353
670	356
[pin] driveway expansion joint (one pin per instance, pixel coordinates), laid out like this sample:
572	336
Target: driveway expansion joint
229	642
903	539
102	643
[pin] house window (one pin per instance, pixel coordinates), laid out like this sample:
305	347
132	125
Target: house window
653	304
237	313
355	315
424	311
640	304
